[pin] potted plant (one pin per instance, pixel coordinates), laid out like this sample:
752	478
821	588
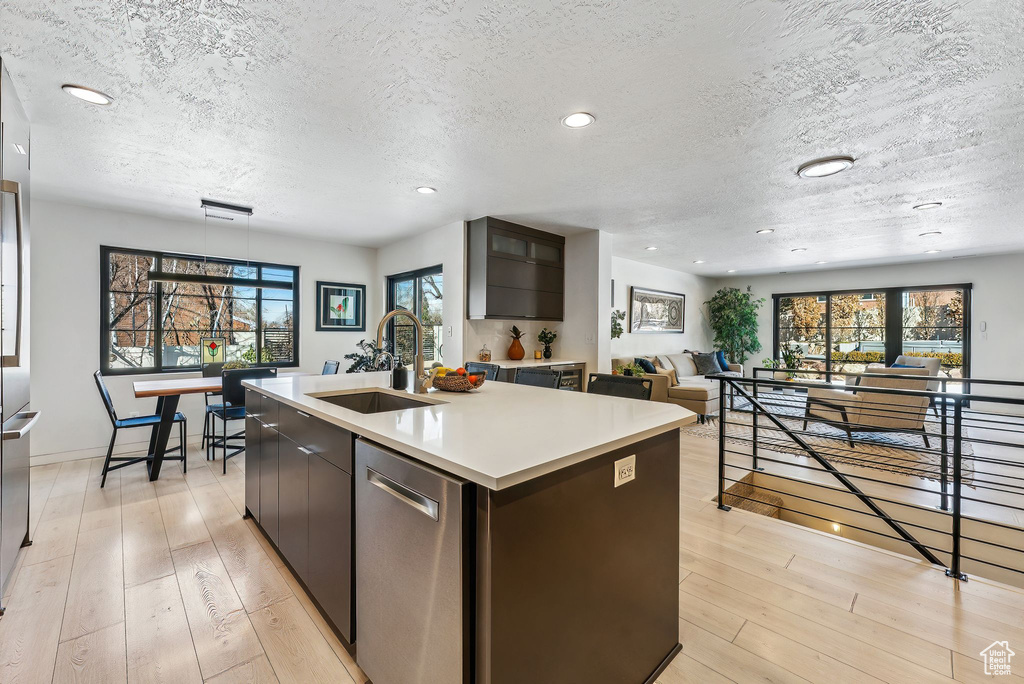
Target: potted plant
546	337
515	350
792	355
617	318
366	361
631	370
732	314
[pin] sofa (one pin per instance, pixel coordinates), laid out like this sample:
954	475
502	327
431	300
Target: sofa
678	382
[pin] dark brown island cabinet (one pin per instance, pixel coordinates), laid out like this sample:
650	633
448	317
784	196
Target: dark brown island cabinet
515	272
298	489
572	576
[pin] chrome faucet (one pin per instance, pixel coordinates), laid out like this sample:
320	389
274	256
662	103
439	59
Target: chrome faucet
421	373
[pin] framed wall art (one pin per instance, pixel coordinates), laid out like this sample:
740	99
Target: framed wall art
655	311
340	306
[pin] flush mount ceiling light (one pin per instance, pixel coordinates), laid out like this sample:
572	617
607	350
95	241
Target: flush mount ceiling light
88	94
731	270
578	120
799	249
426	190
932	251
19	149
930	232
652	248
928	205
820	262
699	261
827	166
765	231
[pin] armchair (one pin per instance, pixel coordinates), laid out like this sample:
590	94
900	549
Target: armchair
858	411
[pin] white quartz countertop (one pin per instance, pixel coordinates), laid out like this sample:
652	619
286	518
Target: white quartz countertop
497	436
533	363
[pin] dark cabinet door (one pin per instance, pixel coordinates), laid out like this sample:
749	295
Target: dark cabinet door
293	505
253	436
329	576
506	302
268	482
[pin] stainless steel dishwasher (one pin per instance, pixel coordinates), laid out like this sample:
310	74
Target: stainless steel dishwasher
411	570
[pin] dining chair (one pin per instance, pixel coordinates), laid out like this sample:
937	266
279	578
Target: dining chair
233	408
210	370
330	368
135	422
538	377
490	369
620	386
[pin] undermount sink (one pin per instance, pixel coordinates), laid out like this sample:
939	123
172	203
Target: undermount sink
373	401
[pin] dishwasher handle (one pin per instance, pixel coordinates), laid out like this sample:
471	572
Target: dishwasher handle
423	504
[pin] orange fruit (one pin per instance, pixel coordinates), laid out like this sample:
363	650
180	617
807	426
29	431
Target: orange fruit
460	371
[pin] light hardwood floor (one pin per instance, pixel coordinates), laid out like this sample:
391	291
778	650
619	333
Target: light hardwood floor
165	582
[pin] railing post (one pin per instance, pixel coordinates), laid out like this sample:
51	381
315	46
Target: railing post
954	571
753	411
721	445
944	467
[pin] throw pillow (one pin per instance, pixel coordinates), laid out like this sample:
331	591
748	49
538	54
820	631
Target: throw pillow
722	360
670	373
707	364
645	364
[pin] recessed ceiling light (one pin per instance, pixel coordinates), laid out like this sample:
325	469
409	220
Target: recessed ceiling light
426	190
826	166
87	94
930	232
731	270
820	262
932	251
928	205
19	149
651	248
578	120
765	231
699	261
799	249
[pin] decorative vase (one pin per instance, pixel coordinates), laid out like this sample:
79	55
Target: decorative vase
515	350
547	351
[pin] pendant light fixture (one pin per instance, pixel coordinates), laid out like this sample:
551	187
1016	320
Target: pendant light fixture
206	279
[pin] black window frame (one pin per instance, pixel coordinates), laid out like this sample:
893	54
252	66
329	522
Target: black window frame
893	318
391	280
158	256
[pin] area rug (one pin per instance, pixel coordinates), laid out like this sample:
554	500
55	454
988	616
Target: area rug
894	452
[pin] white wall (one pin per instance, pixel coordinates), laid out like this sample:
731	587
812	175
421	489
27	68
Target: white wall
445	246
66	242
696	334
997	300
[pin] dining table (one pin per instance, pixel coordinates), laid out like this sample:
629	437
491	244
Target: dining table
168	392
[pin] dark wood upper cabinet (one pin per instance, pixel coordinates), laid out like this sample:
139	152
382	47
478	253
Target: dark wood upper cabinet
514	271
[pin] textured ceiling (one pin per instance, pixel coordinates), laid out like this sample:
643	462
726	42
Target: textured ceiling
325	116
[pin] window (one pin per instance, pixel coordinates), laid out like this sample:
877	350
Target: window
149	327
421	292
857	328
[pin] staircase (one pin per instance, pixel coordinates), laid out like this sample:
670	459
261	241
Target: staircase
745	496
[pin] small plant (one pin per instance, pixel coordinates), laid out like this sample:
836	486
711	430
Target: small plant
617	318
365	362
770	363
517	334
633	369
792	355
546	337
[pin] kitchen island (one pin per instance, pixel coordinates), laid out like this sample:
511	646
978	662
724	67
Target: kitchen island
511	534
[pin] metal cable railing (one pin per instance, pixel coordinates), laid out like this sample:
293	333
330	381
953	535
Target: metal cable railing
897	460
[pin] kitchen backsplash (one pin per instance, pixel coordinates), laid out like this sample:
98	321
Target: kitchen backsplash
495	334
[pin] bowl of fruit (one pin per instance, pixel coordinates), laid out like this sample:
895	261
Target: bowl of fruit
455	379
